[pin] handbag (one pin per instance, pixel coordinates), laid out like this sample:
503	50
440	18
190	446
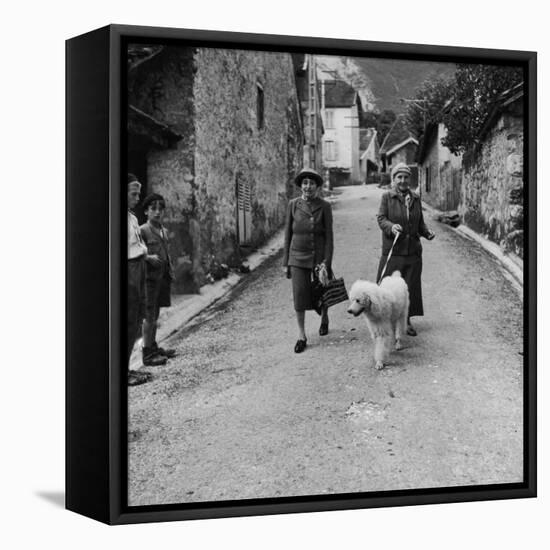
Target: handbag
329	294
334	292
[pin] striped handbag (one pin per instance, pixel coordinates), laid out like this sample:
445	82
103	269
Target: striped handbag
332	292
335	292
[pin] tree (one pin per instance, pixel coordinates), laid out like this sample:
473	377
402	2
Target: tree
427	106
475	91
462	102
385	122
381	121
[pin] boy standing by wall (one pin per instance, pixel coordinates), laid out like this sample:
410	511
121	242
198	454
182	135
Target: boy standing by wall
159	276
137	252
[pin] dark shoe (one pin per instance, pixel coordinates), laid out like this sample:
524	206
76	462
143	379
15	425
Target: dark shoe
164	352
152	359
411	331
300	346
323	329
135	378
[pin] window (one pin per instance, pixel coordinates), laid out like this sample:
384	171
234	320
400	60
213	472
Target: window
260	106
331	150
329	118
244	210
428	179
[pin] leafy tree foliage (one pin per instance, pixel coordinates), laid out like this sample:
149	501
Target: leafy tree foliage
462	103
428	105
385	122
381	121
476	89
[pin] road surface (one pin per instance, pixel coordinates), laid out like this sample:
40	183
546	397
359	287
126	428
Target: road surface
237	414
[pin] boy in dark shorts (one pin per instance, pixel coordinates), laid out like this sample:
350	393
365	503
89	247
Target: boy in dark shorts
159	276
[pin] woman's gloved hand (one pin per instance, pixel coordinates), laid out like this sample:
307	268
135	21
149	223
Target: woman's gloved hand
396	228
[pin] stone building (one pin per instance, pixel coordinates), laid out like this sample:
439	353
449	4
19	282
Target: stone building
492	195
218	133
439	170
340	110
398	146
369	156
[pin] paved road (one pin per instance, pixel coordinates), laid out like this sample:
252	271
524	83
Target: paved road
238	415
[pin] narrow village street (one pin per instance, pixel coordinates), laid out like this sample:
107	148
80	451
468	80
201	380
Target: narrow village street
237	414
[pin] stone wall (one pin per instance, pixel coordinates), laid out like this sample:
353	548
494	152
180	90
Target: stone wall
492	201
445	171
209	96
431	190
354	123
230	146
163	88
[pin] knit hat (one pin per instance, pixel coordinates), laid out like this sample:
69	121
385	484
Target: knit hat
310	174
401	167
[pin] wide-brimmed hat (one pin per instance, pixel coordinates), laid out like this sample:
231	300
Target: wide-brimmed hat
310	174
401	167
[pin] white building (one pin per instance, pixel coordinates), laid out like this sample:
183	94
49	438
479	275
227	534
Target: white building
340	107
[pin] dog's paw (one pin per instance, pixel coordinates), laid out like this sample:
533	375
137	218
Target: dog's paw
379	365
398	345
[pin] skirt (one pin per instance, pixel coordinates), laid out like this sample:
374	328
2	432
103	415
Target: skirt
301	288
411	270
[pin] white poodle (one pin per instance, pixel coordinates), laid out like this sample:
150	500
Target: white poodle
386	307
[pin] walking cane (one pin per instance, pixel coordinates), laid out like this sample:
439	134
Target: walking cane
389	256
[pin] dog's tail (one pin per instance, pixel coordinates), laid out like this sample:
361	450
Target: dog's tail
396	273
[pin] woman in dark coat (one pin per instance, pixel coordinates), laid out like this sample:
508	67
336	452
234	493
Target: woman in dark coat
308	242
400	214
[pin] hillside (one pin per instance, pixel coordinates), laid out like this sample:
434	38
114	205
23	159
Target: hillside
382	82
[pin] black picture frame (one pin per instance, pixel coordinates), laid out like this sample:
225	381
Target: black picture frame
96	392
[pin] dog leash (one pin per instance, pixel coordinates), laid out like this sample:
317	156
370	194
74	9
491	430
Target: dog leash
389	256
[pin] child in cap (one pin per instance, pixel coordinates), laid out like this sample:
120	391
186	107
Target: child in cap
159	276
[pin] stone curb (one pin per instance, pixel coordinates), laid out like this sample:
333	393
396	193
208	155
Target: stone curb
512	264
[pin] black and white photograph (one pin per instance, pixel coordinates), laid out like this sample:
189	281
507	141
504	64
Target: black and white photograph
325	273
274	275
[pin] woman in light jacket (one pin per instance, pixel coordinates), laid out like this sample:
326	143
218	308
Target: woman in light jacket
308	242
400	214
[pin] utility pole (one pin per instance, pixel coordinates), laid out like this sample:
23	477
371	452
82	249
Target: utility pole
312	110
417	102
